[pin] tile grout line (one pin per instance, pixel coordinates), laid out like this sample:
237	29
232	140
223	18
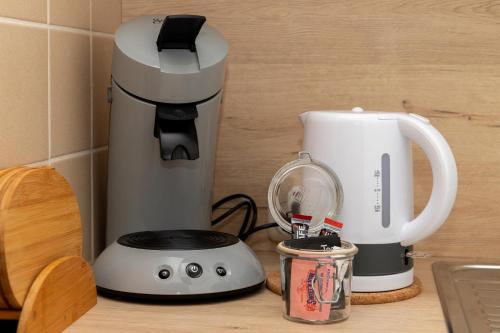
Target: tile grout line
39	25
67	156
77	154
70	156
49	89
102	34
92	187
98	150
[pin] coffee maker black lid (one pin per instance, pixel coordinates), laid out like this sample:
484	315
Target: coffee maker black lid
179	32
169	59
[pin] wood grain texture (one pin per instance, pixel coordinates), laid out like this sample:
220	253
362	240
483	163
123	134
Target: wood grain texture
436	58
39	223
61	294
9	314
6	176
7	170
261	312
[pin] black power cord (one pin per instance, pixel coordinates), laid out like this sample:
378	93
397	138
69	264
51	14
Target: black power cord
248	226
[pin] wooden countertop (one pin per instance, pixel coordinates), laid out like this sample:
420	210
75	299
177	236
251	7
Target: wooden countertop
261	312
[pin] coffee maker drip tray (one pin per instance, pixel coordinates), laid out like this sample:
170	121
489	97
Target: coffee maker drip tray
177	264
178	240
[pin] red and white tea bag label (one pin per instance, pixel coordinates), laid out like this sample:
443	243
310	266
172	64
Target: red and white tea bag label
303	301
331	226
300	225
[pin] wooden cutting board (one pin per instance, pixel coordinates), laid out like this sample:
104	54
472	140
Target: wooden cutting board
39	223
6	176
7	170
61	294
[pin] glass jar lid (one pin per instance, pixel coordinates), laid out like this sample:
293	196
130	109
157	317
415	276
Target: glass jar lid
288	248
306	187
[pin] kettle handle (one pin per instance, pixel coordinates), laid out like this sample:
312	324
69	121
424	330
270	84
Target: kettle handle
444	178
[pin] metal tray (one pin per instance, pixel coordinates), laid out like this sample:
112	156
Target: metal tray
469	295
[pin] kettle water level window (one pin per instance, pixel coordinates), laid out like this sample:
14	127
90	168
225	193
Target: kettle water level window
386	190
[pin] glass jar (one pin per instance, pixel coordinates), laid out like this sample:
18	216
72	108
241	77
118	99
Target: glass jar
316	280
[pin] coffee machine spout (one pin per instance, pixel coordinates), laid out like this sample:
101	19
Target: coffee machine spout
175	129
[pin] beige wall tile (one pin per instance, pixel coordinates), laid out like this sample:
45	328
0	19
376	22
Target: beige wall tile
70	13
102	50
100	178
77	171
70	92
23	95
106	15
31	10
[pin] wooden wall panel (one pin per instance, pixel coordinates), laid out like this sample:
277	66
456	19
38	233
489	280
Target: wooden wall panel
440	59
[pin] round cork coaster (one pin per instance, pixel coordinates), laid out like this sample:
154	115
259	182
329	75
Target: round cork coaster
273	283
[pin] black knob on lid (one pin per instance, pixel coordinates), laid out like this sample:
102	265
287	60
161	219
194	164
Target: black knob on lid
179	32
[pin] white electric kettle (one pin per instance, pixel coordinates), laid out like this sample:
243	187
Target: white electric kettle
371	154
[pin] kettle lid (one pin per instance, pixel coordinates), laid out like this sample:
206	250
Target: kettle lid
172	59
357	113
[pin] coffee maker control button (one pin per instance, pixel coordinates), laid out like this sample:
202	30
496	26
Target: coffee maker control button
194	270
164	274
221	271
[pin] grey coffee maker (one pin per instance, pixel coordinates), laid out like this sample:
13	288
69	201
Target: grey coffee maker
167	81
